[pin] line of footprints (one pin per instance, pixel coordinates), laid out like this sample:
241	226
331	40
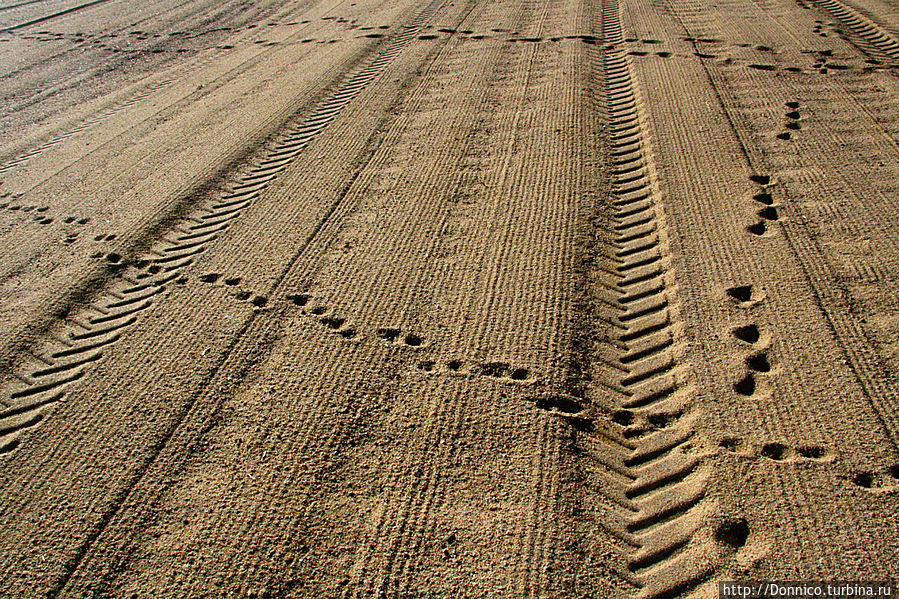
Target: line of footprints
498	371
792	123
767	212
758	366
501	371
776	451
43	216
756	358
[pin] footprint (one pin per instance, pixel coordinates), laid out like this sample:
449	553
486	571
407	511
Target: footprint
388	334
393	334
732	533
774	451
745	386
759	228
519	374
759	362
863	479
300	299
748	333
811	452
769	213
560	403
746	295
494	369
886	480
333	322
760	179
763	198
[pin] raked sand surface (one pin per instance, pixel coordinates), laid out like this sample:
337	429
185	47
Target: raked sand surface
420	299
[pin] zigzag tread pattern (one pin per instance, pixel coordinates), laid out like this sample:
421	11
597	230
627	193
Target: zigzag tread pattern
97	117
875	37
65	357
661	478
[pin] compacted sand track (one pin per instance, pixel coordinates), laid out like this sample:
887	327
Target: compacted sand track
419	298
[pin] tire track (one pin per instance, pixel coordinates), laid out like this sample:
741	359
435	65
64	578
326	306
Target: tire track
138	95
196	407
52	16
871	37
79	343
18	4
91	120
642	442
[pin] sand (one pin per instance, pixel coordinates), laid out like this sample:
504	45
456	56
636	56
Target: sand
431	298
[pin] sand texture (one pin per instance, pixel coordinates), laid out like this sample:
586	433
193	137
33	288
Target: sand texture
431	299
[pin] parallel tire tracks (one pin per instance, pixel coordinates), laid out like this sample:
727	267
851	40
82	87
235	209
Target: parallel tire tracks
101	114
65	357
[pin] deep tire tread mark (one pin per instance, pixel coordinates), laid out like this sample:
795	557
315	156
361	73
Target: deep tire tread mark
877	42
163	263
662	478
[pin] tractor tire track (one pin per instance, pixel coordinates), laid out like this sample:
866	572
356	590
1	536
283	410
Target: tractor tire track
241	339
79	345
868	35
638	427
